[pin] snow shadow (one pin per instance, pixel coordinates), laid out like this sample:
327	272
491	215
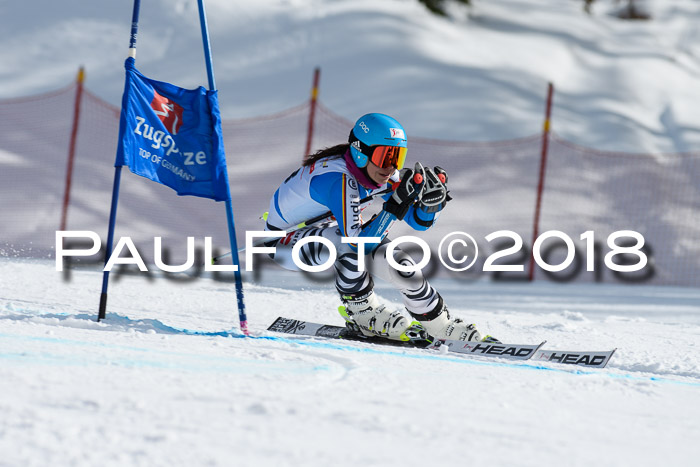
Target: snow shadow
113	322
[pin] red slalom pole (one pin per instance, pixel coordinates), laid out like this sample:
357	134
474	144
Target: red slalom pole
540	184
312	111
71	147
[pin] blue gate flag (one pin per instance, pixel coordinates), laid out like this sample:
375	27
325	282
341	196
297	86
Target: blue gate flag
172	136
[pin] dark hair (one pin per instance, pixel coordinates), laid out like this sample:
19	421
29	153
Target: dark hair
335	152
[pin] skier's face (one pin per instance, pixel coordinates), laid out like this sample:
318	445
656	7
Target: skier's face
378	175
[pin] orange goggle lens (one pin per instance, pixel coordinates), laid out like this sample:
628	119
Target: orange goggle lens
385	156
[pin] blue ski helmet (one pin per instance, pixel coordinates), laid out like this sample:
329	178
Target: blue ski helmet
373	131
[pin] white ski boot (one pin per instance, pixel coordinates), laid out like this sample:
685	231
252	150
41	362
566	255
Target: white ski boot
440	325
371	318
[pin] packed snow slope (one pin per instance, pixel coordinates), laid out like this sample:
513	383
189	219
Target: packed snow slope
480	74
162	381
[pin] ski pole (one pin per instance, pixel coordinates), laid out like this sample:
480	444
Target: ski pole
302	225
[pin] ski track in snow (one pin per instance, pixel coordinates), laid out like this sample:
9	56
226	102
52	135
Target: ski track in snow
646	372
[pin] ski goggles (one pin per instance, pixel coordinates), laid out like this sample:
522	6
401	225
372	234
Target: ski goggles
387	156
380	155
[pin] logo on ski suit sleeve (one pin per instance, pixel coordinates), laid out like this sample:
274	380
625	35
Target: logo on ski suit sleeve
351	202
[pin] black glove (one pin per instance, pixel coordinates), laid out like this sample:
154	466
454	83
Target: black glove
407	192
435	195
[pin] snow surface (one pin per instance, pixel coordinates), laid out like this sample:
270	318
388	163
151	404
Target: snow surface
161	382
480	75
166	379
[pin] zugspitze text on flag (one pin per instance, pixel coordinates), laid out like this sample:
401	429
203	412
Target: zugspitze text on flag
172	136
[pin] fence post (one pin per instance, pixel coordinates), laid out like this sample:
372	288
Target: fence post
71	147
312	111
540	184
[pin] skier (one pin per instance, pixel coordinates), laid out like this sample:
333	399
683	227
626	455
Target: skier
337	179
